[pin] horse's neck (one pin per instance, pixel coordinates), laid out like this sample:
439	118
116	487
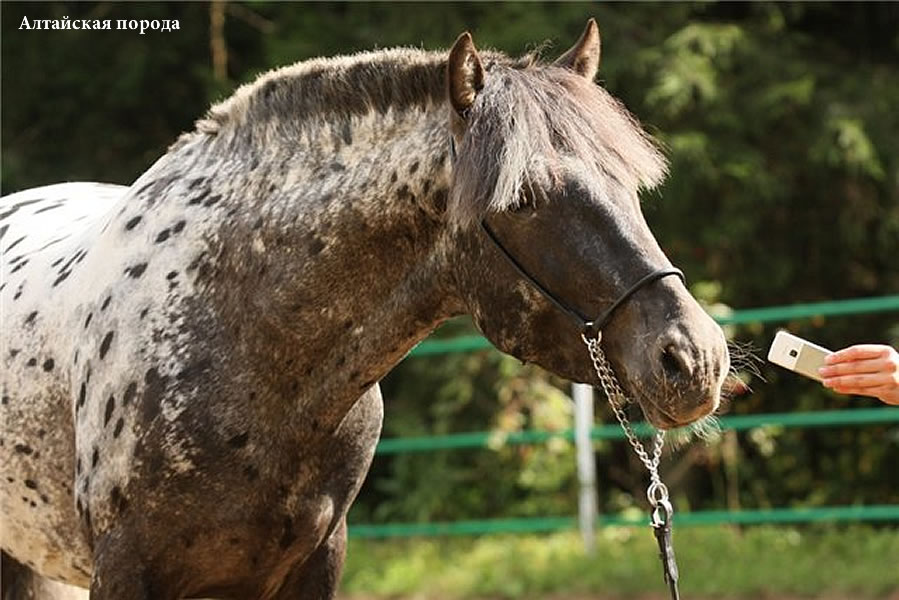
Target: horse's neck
343	243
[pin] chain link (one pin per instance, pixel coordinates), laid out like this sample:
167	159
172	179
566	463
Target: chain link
657	492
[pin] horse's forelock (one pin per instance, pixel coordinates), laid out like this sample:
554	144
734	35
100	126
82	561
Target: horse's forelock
525	121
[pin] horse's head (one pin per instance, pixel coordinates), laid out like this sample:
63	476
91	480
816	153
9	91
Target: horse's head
546	172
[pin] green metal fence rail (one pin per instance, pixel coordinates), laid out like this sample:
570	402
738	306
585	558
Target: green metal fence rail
830	418
483	439
771	314
692	519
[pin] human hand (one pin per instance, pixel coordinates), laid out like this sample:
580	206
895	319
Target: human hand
865	370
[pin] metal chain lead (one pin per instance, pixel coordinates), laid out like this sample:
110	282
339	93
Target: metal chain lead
657	492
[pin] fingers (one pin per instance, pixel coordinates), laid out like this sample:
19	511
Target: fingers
860	384
859	352
864	370
858	367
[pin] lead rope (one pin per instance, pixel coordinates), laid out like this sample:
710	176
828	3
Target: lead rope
657	492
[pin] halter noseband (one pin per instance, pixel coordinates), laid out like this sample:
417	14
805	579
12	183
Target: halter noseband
589	327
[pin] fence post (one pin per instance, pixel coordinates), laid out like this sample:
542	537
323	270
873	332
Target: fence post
586	463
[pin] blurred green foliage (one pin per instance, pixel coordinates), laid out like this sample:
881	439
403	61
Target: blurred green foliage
782	127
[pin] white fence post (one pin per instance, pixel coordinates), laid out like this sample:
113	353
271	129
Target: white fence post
586	463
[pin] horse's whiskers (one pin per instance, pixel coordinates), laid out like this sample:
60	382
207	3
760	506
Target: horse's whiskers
744	365
743	357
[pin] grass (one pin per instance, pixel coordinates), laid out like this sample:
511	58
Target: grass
715	562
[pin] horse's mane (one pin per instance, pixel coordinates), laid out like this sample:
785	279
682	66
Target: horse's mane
355	84
526	123
527	117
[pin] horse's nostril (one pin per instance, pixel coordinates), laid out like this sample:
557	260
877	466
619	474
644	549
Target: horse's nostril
674	362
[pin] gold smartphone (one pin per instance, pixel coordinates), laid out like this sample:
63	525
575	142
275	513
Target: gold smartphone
797	355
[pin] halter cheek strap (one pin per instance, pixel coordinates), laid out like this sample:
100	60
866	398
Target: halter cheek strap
589	327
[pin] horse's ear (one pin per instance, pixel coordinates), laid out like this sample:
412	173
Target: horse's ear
464	74
583	58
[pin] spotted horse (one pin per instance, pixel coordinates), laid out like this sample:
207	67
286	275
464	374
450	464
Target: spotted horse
191	363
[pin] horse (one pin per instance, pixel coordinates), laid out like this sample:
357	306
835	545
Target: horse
190	389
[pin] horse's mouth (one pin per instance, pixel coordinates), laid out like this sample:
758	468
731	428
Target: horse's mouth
663	419
660	421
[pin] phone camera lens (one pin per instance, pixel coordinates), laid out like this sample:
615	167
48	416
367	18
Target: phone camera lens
793	354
